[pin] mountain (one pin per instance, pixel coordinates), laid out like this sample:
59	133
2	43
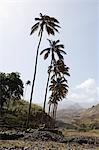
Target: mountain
79	117
89	118
69	114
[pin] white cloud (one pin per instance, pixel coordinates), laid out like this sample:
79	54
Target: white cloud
87	91
88	85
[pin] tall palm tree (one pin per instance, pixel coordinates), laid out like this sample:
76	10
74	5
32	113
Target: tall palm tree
55	49
51	25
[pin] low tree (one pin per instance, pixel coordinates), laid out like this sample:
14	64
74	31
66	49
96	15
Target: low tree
15	85
4	94
11	86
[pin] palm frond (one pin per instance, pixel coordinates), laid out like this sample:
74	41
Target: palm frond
46	55
34	28
60	46
50	30
41	15
59	55
62	51
52	24
38	19
50	41
66	73
57	42
54	19
55	29
43	51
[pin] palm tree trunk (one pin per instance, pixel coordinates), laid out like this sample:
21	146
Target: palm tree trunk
1	108
32	90
46	90
55	111
49	109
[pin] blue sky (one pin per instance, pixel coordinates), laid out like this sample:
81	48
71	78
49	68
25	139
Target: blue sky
79	21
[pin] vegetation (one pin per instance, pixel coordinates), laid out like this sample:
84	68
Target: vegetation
89	119
55	50
15	115
50	24
11	86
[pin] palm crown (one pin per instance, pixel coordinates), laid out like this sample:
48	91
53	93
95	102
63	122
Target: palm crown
59	87
58	68
50	24
28	82
55	48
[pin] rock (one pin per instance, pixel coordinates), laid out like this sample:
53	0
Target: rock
9	135
45	136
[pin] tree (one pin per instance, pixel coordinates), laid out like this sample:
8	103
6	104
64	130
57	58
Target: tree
11	86
15	85
53	100
3	91
51	25
26	84
59	89
59	69
55	49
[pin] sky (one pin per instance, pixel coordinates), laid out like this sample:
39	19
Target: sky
79	21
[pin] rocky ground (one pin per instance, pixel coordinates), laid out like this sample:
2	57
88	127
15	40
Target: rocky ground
45	140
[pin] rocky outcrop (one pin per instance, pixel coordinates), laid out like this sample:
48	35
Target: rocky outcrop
48	135
10	135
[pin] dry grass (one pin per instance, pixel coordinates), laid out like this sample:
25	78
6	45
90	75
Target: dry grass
37	145
92	133
42	145
49	145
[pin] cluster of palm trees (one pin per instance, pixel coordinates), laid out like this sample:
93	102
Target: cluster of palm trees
57	69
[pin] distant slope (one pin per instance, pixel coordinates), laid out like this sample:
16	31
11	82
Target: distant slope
90	117
79	117
67	115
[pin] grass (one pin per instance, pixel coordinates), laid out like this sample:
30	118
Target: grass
93	133
15	115
38	145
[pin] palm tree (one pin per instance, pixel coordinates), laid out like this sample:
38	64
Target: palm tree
53	100
26	84
51	25
54	49
59	87
59	69
59	90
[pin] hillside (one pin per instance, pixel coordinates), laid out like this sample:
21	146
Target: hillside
79	117
15	115
67	115
90	117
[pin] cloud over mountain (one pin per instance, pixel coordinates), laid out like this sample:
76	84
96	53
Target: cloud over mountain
87	91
